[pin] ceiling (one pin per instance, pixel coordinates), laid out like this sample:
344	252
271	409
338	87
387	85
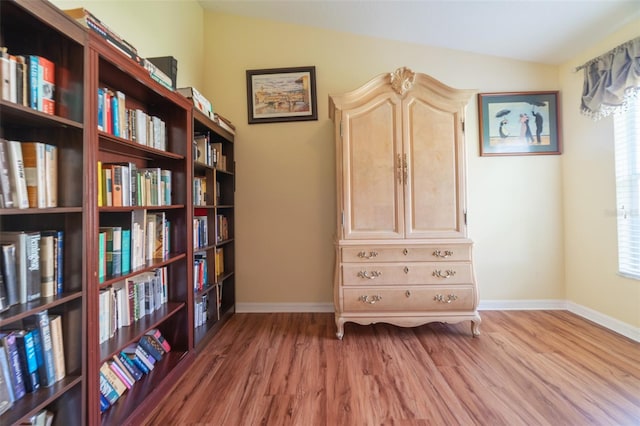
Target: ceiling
543	31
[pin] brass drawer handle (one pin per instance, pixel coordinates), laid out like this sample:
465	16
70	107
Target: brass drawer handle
443	254
364	255
370	299
447	274
441	298
373	276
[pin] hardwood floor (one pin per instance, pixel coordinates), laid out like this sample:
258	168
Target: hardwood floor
526	368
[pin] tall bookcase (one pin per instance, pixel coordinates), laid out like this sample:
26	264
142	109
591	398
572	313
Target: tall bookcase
38	28
111	71
213	201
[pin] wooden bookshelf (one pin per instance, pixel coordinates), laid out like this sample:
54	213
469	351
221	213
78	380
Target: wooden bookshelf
214	299
110	69
38	28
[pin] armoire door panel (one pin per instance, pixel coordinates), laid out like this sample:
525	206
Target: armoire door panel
370	174
432	190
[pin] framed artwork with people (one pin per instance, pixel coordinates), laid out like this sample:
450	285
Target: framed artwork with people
519	123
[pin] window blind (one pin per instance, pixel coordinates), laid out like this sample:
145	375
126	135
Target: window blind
627	165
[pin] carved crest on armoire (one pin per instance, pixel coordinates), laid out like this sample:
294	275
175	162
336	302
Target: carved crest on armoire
402	252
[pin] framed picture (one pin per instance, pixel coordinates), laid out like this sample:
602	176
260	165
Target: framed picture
521	123
281	94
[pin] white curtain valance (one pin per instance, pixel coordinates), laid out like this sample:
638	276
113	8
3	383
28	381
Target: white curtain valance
611	80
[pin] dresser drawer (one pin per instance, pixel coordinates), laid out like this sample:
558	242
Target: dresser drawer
408	253
408	299
442	273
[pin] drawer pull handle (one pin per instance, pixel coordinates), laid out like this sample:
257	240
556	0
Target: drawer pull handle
443	254
370	299
441	299
407	293
406	269
405	252
369	275
447	274
364	255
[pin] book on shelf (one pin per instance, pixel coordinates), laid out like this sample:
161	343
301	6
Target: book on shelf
6	392
51	174
33	157
57	346
115	368
133	358
32	254
128	364
47	265
102	256
199	100
6	196
113	253
134	351
4	299
224	123
168	65
17	178
47	87
10	348
28	361
44	347
158	337
19	258
113	379
9	273
152	347
107	390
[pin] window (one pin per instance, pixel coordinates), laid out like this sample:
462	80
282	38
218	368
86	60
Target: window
627	157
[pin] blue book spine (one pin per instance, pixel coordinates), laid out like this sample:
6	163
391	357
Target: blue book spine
115	119
104	403
48	372
34	84
60	262
26	348
107	390
126	251
130	366
101	109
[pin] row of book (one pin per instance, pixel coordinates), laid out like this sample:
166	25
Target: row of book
132	124
123	249
201	306
200	195
130	365
32	266
201	269
28	174
90	21
201	230
28	80
125	185
127	301
207	152
31	357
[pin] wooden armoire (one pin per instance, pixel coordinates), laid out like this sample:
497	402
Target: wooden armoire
402	252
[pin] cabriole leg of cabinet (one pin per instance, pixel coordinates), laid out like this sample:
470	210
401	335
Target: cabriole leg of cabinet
340	328
475	327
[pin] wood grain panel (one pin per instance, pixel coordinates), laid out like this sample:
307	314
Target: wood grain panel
527	368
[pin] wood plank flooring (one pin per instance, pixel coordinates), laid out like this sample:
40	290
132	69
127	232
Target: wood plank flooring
526	368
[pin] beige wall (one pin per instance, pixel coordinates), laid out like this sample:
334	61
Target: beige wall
589	200
155	28
544	226
286	171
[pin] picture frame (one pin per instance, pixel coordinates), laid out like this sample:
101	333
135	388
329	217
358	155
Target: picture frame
519	123
281	94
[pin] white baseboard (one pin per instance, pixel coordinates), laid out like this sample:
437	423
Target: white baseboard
606	321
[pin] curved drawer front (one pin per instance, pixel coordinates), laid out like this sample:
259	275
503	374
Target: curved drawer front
409	299
445	252
442	273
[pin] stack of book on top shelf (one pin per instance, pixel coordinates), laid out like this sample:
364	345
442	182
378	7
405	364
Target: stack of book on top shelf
126	368
199	101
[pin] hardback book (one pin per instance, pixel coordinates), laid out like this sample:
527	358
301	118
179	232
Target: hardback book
33	65
57	346
102	256
33	157
130	366
28	361
113	379
44	347
5	375
9	272
113	251
157	335
33	265
104	403
115	368
138	238
134	350
126	251
47	265
135	360
46	96
6	196
51	173
10	347
169	66
6	393
17	176
14	257
115	359
107	390
5	74
57	238
152	346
